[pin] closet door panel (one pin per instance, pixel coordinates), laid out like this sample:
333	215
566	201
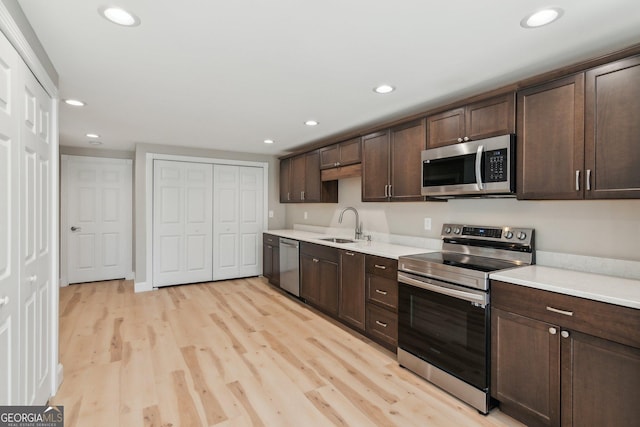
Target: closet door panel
182	229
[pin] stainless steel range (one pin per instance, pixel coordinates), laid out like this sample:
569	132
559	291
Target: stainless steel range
443	311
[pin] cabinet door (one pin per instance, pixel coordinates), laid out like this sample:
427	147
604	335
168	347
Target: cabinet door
600	382
328	286
350	152
329	156
612	140
493	117
312	182
525	368
267	261
407	143
375	167
297	181
352	289
445	128
309	278
550	142
285	180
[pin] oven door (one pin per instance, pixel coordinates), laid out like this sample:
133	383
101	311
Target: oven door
445	325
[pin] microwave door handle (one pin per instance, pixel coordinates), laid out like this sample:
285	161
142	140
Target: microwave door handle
478	167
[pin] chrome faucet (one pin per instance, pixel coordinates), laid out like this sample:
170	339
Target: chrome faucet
358	230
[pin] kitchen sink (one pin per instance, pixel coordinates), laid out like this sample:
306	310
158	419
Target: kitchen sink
338	240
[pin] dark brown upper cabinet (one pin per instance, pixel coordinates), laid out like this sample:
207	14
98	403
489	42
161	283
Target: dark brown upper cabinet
300	181
550	141
482	119
612	130
391	167
579	137
341	154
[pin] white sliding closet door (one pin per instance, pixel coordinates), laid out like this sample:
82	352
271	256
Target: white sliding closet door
237	221
182	227
9	224
35	250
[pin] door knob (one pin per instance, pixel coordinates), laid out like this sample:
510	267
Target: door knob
4	301
74	228
32	279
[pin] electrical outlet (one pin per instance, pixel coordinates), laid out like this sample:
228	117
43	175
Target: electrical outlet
427	224
270	214
306	215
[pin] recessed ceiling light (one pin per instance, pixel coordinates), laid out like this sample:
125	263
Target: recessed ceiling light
74	102
119	16
268	141
384	89
311	123
93	135
94	142
541	17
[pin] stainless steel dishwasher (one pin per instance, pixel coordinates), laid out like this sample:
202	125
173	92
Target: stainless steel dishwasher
289	266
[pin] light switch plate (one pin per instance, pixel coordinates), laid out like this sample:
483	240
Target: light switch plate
306	215
270	214
427	224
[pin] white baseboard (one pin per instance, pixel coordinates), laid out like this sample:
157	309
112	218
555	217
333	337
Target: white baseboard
130	276
142	287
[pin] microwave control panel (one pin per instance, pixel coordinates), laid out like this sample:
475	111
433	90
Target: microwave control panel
496	165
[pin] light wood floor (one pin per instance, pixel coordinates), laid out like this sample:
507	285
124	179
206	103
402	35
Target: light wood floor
234	353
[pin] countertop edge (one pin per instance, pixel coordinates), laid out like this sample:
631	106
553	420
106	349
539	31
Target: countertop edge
596	287
385	250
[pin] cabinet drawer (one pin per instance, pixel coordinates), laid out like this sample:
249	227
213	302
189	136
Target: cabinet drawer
382	291
382	324
320	251
270	239
608	321
385	267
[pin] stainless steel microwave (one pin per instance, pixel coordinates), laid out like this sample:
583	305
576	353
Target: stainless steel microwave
476	168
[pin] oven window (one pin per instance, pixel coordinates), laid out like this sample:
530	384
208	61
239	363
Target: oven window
449	171
447	332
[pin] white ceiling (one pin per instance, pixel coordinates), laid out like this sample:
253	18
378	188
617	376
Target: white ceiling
229	74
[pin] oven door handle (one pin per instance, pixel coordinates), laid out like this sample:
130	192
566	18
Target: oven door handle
444	289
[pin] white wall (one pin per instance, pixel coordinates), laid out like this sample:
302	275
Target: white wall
609	229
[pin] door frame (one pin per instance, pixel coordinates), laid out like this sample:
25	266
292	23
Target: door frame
64	211
147	285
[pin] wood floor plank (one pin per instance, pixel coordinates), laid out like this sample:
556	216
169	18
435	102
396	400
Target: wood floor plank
232	354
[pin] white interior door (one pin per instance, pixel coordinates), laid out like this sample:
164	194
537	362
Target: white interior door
35	250
97	218
182	227
9	225
237	221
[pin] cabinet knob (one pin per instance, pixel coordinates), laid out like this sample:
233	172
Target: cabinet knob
4	301
564	334
553	331
459	139
466	138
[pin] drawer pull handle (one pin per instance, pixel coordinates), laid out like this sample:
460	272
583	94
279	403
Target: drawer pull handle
381	292
564	312
316	260
350	253
381	267
384	325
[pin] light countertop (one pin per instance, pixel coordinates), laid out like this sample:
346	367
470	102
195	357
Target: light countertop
597	287
387	250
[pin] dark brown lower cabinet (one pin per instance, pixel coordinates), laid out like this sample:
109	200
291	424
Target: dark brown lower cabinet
351	300
381	277
271	258
559	360
319	276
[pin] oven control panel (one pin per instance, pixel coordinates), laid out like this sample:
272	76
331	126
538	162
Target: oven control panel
516	235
